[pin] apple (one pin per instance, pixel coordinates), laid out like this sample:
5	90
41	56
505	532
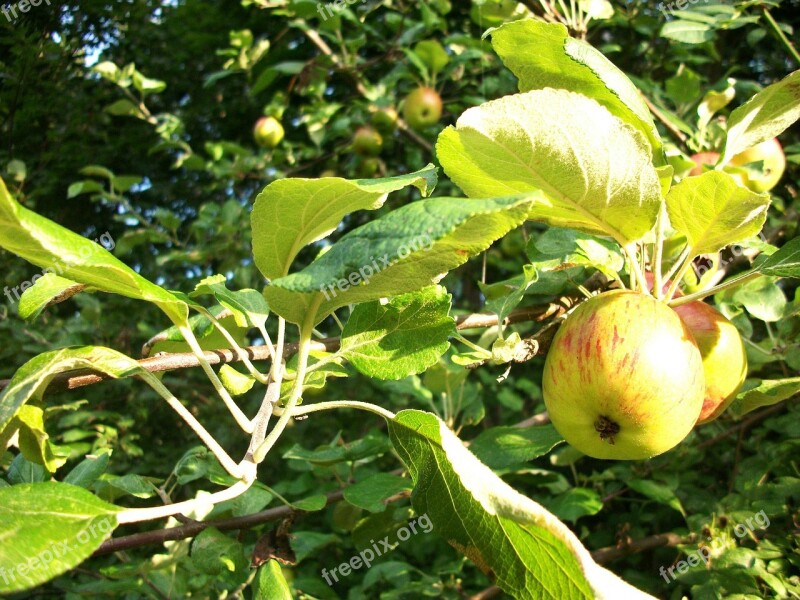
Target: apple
703	158
723	353
774	164
268	132
368	167
367	141
385	120
422	108
623	378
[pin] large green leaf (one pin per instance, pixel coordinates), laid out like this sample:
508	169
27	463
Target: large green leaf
543	55
713	211
58	250
764	116
31	379
530	553
593	170
401	338
291	213
766	393
785	262
403	251
47	529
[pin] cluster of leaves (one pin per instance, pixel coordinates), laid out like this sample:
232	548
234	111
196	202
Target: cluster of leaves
183	218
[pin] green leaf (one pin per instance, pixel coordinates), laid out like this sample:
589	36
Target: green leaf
248	306
785	262
688	32
46	529
575	503
762	298
59	250
291	213
88	186
31	379
46	290
312	503
529	552
372	444
214	552
34	443
235	382
766	393
401	338
713	211
432	54
503	447
270	584
504	296
372	492
88	470
764	116
146	85
543	55
658	492
403	251
557	142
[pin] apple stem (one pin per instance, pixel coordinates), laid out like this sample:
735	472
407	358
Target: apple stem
637	276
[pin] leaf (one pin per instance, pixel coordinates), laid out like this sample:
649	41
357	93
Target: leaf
291	213
214	552
764	116
762	298
713	211
504	296
88	470
47	289
58	250
658	492
575	503
401	338
593	172
33	441
432	54
235	382
785	262
270	584
373	444
766	393
46	529
371	493
504	447
529	553
543	55
403	251
688	32
88	186
248	306
31	379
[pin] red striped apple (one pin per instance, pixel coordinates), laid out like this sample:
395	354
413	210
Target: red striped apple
724	356
623	378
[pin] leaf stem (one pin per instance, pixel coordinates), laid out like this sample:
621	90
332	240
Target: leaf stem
658	253
637	277
474	346
780	35
728	283
235	346
335	404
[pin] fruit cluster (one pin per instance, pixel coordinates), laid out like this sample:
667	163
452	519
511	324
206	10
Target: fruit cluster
627	377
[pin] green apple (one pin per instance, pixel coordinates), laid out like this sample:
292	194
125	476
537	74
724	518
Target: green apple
765	178
385	120
422	108
623	378
367	142
268	132
368	167
724	356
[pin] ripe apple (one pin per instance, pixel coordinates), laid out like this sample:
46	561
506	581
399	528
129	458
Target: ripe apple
385	120
422	108
367	142
623	378
723	353
703	158
268	132
774	164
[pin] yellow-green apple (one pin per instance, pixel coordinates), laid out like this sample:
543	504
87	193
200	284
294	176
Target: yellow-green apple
268	132
623	378
367	141
703	158
723	353
385	120
774	164
422	108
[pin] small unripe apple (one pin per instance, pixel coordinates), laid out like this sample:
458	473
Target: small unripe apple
703	158
368	167
774	164
367	142
268	132
385	120
723	353
422	108
623	378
